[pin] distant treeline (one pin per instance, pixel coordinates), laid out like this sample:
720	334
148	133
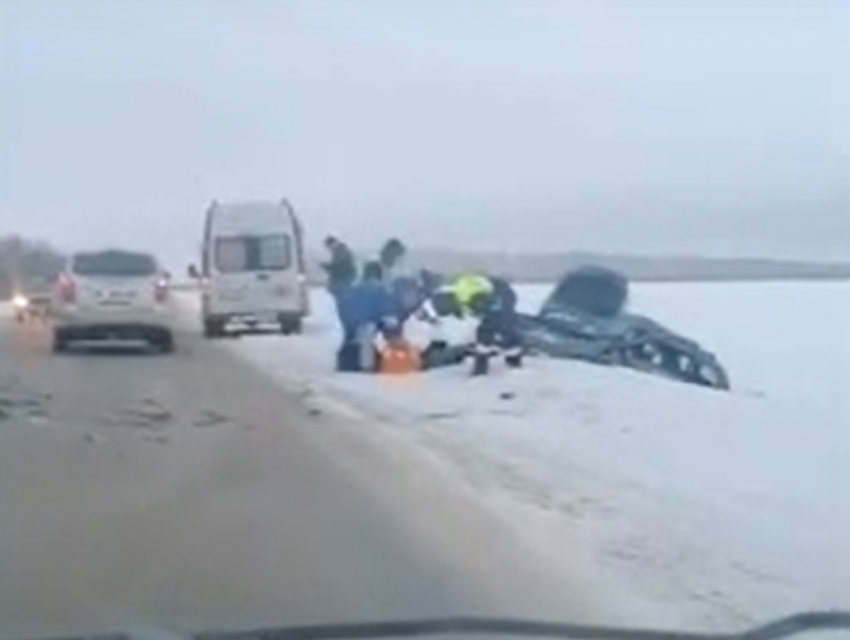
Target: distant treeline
24	260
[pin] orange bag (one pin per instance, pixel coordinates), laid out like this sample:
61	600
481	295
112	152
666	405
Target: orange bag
399	357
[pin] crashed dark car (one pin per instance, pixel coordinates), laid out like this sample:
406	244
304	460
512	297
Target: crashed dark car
585	318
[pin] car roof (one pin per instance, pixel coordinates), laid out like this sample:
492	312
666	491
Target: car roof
92	253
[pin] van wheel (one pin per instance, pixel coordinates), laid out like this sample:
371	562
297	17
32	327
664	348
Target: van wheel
213	328
291	326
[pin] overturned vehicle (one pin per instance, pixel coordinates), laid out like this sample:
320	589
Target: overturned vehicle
585	318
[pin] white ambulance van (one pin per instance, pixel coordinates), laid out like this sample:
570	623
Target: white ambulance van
253	270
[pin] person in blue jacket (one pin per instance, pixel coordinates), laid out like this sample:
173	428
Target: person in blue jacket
408	295
365	309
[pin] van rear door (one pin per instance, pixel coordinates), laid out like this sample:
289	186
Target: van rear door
255	275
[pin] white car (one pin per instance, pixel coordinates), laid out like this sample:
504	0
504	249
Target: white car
113	295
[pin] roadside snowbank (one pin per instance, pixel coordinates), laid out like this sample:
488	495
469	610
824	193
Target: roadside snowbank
686	505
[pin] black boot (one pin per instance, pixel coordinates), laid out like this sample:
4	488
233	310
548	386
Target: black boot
348	358
480	365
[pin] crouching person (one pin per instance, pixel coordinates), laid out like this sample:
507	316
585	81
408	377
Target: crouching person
365	309
492	303
498	329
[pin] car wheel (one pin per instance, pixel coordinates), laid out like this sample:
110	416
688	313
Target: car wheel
291	326
60	342
164	342
213	328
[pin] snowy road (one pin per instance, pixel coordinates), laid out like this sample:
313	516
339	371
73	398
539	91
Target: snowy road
190	492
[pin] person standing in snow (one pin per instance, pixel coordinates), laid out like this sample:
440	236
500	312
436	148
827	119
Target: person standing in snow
365	309
341	268
392	258
429	281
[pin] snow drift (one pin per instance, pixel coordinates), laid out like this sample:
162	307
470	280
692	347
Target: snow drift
684	505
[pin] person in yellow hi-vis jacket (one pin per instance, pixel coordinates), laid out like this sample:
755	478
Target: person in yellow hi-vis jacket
470	290
492	301
458	298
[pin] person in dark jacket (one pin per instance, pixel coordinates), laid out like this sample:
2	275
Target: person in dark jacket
365	309
498	328
342	266
391	255
430	281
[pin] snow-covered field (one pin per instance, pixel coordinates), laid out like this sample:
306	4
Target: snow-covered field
683	505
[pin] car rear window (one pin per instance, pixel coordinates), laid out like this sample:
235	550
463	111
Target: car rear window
114	263
253	253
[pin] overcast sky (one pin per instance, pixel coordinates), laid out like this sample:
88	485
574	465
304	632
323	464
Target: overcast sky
674	126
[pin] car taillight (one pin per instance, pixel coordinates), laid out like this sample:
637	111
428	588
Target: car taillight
160	291
67	289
